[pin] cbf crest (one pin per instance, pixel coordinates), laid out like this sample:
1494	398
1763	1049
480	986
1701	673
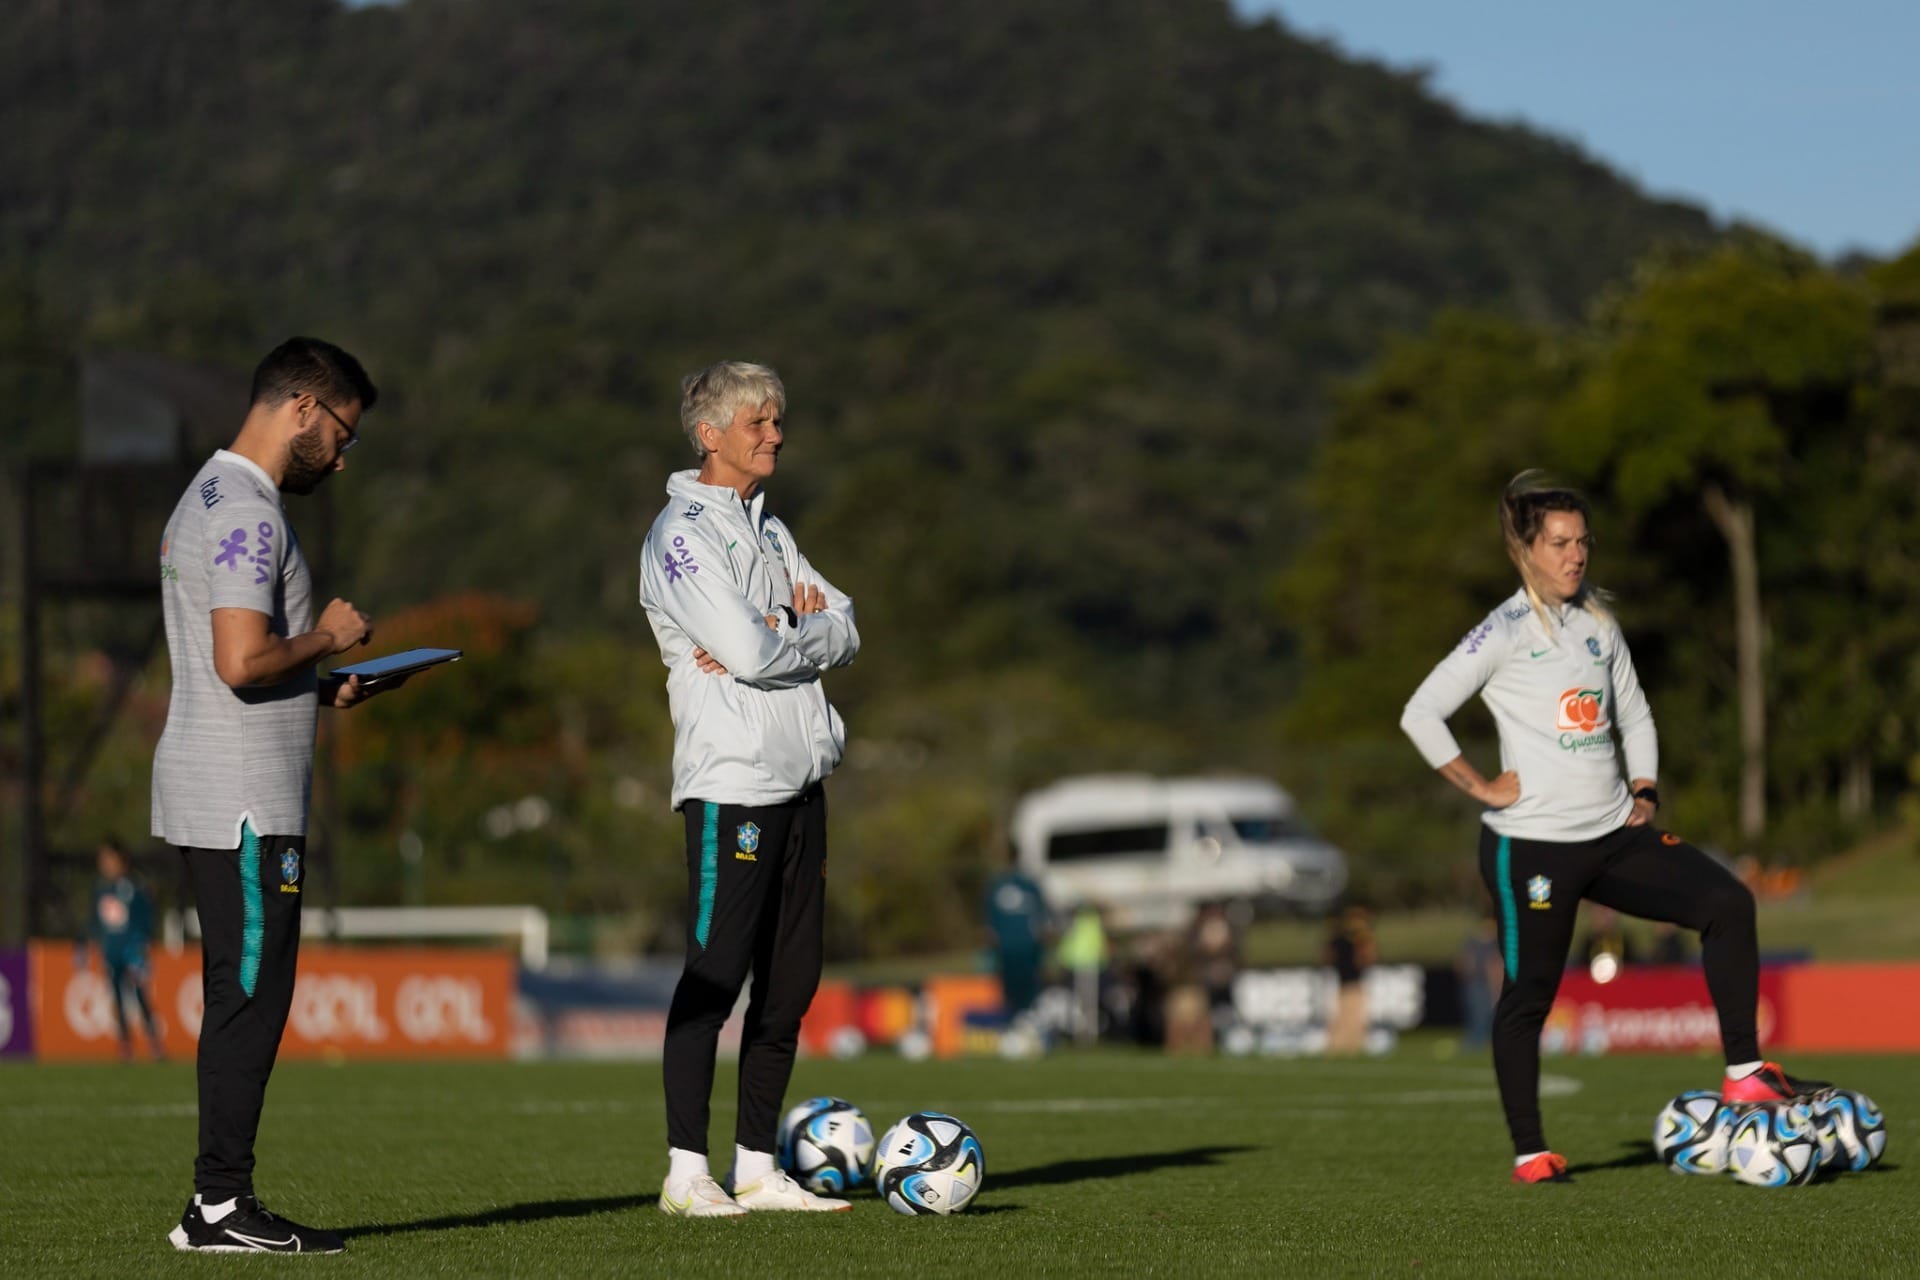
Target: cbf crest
290	870
1540	893
748	836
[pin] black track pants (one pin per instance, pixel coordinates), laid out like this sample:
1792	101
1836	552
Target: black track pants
1537	886
249	905
756	893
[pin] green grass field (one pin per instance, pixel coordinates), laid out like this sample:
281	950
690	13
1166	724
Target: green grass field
1103	1163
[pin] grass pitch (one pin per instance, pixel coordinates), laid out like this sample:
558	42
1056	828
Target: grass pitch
1101	1163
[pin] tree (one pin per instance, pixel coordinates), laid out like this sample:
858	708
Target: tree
1715	374
1404	556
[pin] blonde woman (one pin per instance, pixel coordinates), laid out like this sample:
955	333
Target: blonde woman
1561	822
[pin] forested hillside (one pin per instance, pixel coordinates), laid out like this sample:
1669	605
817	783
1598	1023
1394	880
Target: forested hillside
1059	292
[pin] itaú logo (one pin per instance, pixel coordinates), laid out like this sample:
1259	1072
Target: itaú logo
1583	718
336	1006
432	1008
87	1003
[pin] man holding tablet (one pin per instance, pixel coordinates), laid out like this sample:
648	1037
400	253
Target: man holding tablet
746	626
232	771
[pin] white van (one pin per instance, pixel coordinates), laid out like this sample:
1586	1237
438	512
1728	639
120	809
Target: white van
1152	849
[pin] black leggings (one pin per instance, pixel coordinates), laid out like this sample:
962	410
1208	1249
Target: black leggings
249	904
756	899
1537	886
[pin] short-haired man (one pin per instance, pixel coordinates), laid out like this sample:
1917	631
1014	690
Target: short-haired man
746	626
232	772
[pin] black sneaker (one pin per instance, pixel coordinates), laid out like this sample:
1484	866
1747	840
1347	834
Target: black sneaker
250	1228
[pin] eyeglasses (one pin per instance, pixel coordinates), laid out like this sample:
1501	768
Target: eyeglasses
353	434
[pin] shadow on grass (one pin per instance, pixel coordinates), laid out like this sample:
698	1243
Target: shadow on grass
1632	1156
1046	1175
536	1211
1037	1176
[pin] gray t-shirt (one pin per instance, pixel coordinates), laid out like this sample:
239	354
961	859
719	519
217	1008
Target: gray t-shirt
232	755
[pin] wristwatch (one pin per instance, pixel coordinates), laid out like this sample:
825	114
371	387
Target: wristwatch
1649	794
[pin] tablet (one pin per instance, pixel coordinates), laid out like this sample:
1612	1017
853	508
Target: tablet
406	662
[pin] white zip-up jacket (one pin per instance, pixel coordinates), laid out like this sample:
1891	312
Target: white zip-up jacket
1556	700
712	569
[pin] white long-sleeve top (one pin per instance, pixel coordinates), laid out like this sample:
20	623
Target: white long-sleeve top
1557	700
712	569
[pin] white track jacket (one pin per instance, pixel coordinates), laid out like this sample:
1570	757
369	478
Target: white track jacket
1556	700
712	568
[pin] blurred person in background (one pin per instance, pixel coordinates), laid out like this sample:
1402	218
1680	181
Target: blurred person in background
1481	973
234	768
1669	945
121	929
746	628
1214	945
1017	917
1560	822
1608	947
1083	953
1350	952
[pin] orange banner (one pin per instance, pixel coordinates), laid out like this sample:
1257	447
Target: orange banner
950	998
362	1002
1852	1008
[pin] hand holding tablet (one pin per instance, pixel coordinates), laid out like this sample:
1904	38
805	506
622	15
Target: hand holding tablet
377	670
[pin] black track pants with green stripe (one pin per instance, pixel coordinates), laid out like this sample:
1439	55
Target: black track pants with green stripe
1537	886
756	895
248	900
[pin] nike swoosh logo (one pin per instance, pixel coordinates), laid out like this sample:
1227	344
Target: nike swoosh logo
261	1243
730	545
1537	652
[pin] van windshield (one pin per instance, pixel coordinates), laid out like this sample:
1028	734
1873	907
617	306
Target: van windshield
1271	830
1071	846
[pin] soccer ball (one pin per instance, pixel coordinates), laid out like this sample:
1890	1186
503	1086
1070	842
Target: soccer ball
1691	1132
1859	1129
826	1144
1826	1131
1774	1145
929	1163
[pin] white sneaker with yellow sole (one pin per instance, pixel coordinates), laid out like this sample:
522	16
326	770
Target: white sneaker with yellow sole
778	1191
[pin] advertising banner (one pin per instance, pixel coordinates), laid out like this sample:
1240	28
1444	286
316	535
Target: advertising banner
1852	1008
360	1002
1651	1009
16	1018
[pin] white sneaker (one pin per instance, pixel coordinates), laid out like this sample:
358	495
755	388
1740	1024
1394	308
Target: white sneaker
778	1191
699	1197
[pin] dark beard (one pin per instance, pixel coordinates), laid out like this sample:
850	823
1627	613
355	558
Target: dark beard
307	461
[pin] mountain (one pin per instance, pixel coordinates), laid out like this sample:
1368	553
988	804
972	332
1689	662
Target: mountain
1058	290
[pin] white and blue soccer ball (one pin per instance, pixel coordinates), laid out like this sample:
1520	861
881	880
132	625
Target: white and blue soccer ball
1692	1132
826	1144
929	1163
1774	1144
1859	1130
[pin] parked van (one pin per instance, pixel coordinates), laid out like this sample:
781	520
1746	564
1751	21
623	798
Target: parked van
1152	849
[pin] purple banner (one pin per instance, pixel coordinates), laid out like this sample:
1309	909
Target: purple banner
16	1022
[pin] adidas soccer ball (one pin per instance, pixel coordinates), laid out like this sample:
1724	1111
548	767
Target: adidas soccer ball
1826	1132
929	1163
1859	1129
1774	1145
1690	1134
826	1144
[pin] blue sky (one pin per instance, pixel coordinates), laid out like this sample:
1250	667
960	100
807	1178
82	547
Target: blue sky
1803	118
